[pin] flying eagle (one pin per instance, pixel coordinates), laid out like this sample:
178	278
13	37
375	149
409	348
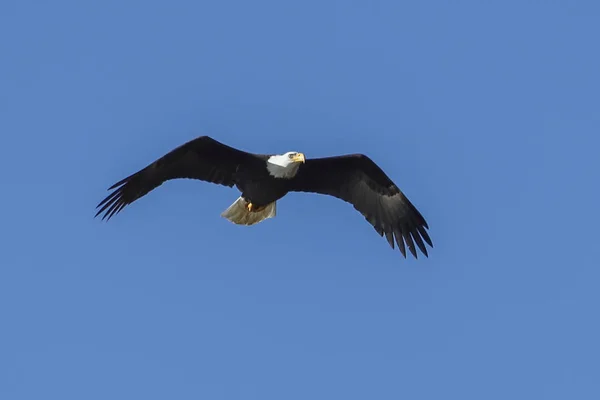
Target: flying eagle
264	179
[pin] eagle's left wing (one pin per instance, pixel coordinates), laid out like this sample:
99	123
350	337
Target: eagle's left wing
356	179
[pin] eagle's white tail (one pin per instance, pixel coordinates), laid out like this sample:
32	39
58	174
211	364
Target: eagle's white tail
238	213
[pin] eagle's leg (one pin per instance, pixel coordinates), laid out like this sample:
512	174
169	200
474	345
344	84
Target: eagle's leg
252	208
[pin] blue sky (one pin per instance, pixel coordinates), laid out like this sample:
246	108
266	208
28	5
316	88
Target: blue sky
486	114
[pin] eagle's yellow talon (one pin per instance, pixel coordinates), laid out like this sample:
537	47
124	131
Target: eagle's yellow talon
250	206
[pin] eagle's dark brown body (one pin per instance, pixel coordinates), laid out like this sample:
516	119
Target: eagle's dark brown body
258	186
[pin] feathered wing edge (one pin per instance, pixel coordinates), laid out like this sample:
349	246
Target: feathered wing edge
202	158
401	222
357	180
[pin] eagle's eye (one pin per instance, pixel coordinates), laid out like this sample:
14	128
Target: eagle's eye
291	155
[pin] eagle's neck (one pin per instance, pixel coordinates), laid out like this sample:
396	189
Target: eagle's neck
280	166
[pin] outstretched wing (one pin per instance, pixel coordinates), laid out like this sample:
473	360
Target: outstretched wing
356	179
202	158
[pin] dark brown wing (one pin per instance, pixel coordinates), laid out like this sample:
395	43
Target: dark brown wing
356	179
202	158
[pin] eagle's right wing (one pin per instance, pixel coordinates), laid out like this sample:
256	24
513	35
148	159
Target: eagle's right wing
202	158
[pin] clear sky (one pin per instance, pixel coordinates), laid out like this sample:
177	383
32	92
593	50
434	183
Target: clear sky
486	114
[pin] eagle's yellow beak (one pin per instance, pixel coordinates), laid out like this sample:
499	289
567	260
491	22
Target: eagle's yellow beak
299	158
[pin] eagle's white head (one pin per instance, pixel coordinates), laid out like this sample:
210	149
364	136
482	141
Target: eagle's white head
285	165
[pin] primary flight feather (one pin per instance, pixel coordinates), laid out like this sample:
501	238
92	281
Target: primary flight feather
264	179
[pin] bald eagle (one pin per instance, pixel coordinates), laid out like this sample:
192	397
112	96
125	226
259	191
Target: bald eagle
264	179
